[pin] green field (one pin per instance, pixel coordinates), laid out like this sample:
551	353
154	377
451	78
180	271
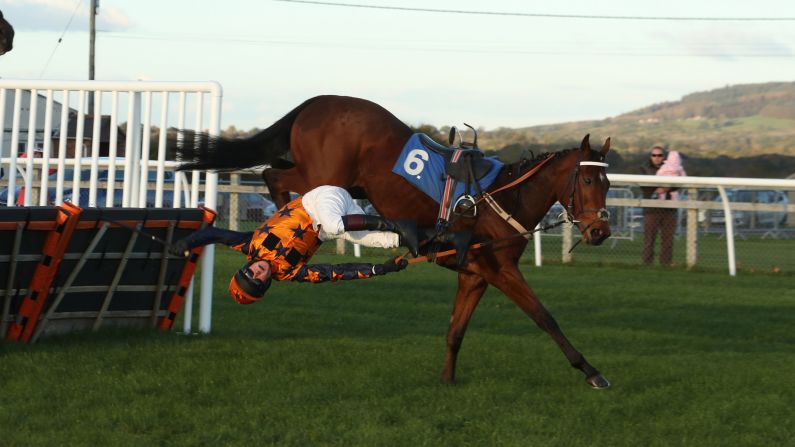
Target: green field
695	359
752	253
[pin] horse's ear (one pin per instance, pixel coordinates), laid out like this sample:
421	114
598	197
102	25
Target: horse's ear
606	147
585	146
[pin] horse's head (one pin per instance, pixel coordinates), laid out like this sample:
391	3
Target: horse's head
585	192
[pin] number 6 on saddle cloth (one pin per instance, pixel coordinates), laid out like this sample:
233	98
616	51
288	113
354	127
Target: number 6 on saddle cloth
449	176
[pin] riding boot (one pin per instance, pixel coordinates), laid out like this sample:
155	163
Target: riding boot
459	240
406	229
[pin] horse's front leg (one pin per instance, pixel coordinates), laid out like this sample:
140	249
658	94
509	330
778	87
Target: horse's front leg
511	282
470	290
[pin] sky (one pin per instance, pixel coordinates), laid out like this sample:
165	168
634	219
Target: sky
500	63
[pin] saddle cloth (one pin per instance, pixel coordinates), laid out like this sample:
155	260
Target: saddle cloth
424	169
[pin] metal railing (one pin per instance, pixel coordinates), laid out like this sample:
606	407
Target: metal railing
50	132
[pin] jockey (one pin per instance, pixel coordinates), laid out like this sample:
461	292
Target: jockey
280	248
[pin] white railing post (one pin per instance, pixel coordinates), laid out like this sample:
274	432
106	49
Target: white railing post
729	219
78	149
95	136
210	200
537	245
29	150
691	249
46	150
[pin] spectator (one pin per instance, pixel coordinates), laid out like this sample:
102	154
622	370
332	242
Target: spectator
659	220
672	166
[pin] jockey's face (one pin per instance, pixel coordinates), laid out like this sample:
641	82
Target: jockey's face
261	270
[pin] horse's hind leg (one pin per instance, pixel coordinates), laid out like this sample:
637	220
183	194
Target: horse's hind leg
510	281
281	182
470	290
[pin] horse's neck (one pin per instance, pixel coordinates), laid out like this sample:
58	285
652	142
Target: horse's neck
536	194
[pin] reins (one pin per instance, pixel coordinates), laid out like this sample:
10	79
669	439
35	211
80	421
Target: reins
478	245
521	231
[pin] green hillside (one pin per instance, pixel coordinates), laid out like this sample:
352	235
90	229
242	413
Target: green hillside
734	131
733	121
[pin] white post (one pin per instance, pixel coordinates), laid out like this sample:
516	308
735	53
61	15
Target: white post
12	151
565	256
692	230
146	145
78	155
95	136
210	200
537	245
187	312
161	152
357	250
729	230
29	174
46	148
112	149
180	176
193	203
62	140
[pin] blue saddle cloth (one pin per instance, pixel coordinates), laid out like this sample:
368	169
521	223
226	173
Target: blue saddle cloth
424	169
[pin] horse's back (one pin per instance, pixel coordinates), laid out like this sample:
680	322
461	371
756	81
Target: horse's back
336	139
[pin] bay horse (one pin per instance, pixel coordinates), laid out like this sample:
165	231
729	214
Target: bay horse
354	143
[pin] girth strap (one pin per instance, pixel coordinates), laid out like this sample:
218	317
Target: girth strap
507	217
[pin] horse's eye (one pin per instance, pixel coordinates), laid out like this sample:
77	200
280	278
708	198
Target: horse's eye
588	180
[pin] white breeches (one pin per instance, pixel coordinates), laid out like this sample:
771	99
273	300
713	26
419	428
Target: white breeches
327	204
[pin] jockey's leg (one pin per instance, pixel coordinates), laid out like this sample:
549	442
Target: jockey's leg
405	229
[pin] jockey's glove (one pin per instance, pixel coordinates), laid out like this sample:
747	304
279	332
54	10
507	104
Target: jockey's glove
393	265
179	249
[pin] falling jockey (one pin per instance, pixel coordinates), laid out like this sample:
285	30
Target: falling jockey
280	248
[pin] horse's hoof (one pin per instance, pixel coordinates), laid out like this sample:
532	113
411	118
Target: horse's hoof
598	382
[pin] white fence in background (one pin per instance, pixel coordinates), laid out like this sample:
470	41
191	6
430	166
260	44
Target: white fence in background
52	137
696	211
705	235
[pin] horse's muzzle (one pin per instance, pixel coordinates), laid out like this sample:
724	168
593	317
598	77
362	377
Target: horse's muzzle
597	233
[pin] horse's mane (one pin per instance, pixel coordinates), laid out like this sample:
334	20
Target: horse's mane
525	163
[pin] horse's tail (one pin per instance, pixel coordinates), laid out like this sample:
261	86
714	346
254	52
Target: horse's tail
201	151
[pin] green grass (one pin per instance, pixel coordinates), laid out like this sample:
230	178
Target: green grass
695	359
753	254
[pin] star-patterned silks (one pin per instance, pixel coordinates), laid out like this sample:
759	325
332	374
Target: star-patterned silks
281	250
286	211
298	231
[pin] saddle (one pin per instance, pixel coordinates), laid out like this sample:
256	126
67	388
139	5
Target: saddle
459	171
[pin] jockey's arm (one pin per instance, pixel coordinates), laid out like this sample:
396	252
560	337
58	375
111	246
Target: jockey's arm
316	273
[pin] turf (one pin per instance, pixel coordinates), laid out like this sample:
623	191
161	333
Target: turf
694	358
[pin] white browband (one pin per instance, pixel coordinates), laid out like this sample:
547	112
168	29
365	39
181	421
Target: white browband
594	163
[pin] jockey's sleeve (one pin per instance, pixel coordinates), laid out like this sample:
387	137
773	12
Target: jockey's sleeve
212	235
335	272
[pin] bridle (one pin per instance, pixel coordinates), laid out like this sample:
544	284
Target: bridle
568	216
601	214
